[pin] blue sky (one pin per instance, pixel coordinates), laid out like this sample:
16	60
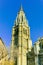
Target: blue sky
34	13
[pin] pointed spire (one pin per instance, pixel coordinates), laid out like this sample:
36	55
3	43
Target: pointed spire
21	8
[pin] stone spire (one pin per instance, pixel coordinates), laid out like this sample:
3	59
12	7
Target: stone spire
21	18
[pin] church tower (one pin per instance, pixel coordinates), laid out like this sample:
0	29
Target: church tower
21	42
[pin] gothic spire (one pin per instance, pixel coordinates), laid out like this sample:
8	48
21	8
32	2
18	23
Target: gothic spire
21	18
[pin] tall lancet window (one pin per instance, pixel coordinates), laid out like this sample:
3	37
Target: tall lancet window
18	20
22	18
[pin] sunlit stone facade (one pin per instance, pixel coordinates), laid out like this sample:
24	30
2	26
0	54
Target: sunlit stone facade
21	50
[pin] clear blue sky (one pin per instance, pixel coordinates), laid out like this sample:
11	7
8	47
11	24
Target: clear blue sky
8	12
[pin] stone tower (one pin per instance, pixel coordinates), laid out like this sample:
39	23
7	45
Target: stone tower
21	42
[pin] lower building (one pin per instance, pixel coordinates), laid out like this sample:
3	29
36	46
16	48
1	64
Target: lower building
3	53
35	57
